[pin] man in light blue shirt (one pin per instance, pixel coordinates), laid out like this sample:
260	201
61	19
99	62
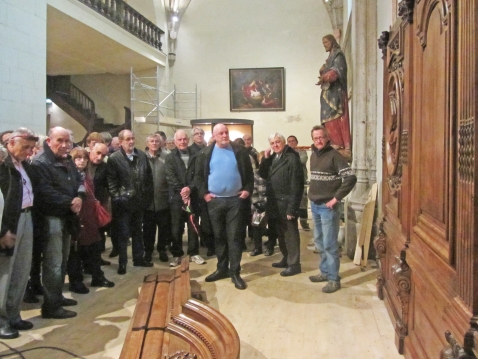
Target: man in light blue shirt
225	180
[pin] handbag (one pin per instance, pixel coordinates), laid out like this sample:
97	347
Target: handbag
104	217
259	219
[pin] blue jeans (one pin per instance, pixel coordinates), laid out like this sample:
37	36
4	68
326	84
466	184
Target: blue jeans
326	230
56	249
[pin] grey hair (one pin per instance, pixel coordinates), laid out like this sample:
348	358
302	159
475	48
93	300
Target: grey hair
197	129
41	139
23	132
3	153
178	131
274	135
155	135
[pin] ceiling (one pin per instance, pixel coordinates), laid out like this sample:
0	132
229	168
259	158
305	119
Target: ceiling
74	48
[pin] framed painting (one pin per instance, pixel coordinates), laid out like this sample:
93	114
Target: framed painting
259	89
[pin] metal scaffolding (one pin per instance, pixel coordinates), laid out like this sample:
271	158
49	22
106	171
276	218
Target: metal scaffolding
155	106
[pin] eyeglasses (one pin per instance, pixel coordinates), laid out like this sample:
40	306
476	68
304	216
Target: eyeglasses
320	138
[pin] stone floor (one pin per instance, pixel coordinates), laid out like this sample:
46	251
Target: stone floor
276	317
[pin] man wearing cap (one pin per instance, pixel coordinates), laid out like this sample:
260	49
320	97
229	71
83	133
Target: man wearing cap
16	231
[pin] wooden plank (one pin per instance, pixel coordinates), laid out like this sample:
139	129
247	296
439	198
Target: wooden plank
363	240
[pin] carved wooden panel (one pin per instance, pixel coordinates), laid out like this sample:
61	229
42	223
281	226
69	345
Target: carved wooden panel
465	233
429	166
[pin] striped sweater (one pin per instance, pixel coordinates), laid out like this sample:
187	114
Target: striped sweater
330	175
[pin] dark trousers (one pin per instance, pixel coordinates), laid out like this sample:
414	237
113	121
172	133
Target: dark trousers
226	215
207	235
257	233
88	257
287	231
178	218
128	223
160	220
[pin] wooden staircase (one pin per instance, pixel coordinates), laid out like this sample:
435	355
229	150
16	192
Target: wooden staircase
81	107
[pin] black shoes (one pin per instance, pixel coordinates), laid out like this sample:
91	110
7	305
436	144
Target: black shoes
7	332
148	257
255	252
114	253
210	252
102	282
60	313
29	297
163	257
78	287
142	263
22	325
290	271
122	269
104	263
268	252
281	264
217	275
66	302
238	281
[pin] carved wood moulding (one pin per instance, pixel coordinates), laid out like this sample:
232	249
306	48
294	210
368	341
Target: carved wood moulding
466	150
401	273
425	11
183	355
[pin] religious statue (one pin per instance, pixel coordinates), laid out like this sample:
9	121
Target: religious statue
334	113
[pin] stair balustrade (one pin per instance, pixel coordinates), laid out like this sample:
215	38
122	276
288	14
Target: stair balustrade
129	19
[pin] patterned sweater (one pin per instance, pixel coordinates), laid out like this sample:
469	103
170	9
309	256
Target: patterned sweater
330	175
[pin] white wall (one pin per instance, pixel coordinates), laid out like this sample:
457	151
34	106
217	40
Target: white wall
23	64
218	35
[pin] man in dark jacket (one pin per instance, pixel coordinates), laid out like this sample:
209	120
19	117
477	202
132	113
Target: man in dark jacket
157	218
331	179
282	169
130	183
180	173
16	230
58	197
225	179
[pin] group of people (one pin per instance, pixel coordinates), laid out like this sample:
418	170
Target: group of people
51	195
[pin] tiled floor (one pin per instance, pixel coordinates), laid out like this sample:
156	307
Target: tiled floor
276	317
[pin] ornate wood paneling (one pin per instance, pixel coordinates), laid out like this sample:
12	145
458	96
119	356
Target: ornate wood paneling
427	244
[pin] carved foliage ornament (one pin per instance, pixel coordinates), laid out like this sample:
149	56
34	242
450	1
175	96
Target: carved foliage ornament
454	350
402	276
405	10
466	150
383	42
182	355
393	141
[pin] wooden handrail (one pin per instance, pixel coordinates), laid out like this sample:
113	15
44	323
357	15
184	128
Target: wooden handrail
129	19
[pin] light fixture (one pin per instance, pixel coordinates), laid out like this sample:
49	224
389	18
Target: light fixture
48	101
172	57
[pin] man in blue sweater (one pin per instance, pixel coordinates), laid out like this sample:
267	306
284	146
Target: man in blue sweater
225	180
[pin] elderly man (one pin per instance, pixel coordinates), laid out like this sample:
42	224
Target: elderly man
225	180
282	169
180	173
157	215
114	145
130	183
207	237
331	179
59	193
16	231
